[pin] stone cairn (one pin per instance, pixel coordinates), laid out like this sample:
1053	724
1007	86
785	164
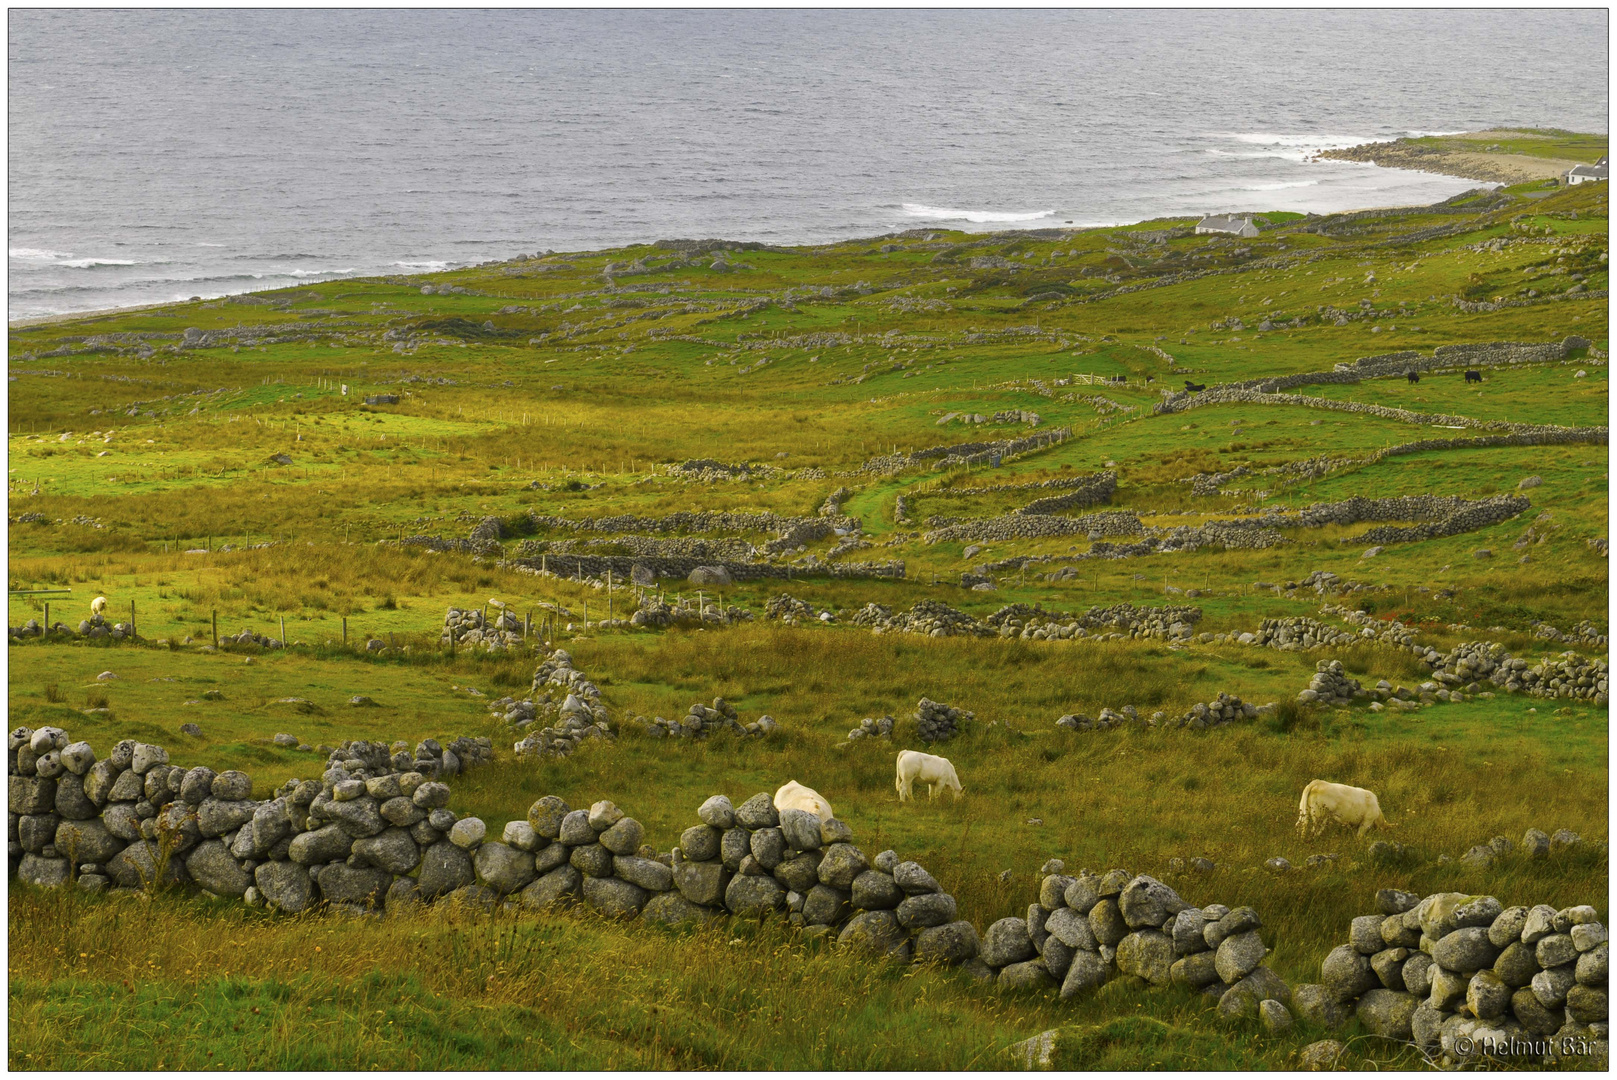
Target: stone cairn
1466	979
1084	930
703	720
937	722
788	609
131	820
470	628
566	699
1331	686
873	729
931	618
95	627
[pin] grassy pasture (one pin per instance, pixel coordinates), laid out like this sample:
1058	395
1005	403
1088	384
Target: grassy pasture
564	385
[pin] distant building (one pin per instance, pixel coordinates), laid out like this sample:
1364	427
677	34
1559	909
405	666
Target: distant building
1583	174
1242	226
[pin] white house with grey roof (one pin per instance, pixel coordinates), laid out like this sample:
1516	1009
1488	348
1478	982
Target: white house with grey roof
1227	223
1583	174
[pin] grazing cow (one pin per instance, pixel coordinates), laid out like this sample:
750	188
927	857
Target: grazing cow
915	767
794	796
1323	802
1413	378
1195	388
1473	376
1153	378
98	605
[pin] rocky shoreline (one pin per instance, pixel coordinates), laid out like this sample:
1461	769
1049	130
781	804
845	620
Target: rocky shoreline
1470	164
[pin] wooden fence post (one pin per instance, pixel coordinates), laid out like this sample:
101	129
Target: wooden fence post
283	631
131	621
216	628
345	630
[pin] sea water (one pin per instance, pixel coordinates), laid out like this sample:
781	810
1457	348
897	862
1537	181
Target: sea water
158	155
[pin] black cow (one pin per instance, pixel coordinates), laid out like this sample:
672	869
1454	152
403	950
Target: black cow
1473	376
1413	378
1150	378
1195	388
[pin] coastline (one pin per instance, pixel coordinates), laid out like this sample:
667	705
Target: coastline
1475	155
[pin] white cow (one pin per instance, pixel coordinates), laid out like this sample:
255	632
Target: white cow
1323	802
98	605
929	769
794	796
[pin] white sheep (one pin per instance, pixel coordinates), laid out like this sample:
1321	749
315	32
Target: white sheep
98	605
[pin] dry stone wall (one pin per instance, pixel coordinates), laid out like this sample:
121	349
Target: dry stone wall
1467	980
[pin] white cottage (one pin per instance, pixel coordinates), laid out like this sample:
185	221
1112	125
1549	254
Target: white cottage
1226	223
1583	174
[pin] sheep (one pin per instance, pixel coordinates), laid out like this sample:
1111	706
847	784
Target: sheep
929	769
98	605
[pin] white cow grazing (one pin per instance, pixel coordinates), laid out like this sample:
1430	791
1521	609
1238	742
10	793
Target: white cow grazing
1323	802
794	796
98	605
915	767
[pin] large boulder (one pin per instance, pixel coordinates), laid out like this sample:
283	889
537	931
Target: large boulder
87	841
213	868
1238	955
1145	901
501	867
445	867
752	896
344	884
285	886
1006	942
926	909
1387	1013
553	887
951	943
701	883
614	897
875	931
48	873
1026	975
1086	972
1148	954
648	874
391	850
1346	972
671	909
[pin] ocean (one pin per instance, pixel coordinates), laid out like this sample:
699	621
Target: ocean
157	155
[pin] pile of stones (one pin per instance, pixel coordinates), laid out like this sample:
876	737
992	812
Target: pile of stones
932	618
655	611
1084	930
1215	712
703	720
1585	633
1372	629
789	609
1107	719
937	722
1567	676
1296	633
1536	844
472	627
1465	978
576	716
96	626
131	820
873	729
573	724
1331	686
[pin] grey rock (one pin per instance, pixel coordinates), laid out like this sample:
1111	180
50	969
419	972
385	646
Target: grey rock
672	909
1593	967
552	888
1540	924
1187	932
98	782
1388	964
1145	901
841	865
1027	975
1516	965
603	815
1006	942
432	795
1053	889
1072	929
757	812
1531	1015
1550	986
1555	950
575	829
1086	972
197	785
1387	1013
391	850
700	842
232	785
592	860
1587	1004
950	943
701	883
1586	936
551	856
648	874
215	817
325	844
749	896
86	841
1083	893
1057	956
77	758
735	845
1486	996
1346	972
401	811
31	795
886	862
875	931
343	884
546	815
624	836
926	909
1395	901
147	757
800	874
874	891
1195	971
1448	988
71	801
1275	1017
1148	954
1507	927
826	906
914	880
1467	950
445	867
1238	955
613	897
1320	1006
1365	934
44	872
717	812
1106	922
799	829
1425	1026
500	867
769	847
285	886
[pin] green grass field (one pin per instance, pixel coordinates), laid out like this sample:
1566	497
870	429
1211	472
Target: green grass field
143	468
